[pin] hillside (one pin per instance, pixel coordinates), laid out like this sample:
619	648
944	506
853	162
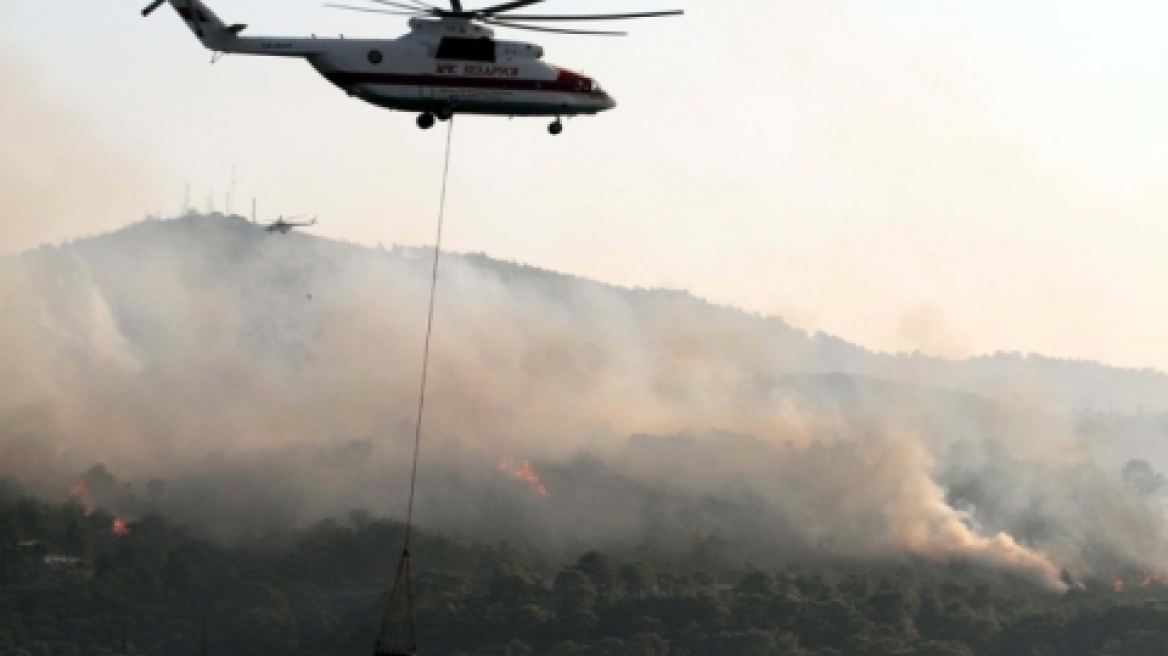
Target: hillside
154	589
224	363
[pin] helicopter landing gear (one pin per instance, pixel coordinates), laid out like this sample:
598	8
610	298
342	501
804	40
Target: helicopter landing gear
426	121
556	128
445	114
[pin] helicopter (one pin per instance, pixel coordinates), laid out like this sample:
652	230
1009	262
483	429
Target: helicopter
284	227
449	63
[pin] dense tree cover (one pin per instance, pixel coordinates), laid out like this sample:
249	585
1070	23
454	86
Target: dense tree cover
149	590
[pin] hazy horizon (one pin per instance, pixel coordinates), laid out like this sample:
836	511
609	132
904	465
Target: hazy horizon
427	248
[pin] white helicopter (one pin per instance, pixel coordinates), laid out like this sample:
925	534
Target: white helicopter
449	63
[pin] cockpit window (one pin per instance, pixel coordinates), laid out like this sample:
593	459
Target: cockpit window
477	50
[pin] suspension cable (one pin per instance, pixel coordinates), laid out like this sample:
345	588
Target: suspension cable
429	334
402	591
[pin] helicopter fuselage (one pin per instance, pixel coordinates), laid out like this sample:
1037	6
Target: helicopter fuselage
443	66
439	68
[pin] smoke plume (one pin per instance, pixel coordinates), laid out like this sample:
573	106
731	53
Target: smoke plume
247	383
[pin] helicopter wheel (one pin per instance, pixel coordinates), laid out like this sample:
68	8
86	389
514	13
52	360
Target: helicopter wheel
444	114
556	128
426	121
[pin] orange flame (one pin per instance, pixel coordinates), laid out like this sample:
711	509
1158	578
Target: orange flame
80	491
119	527
1118	586
522	471
1148	578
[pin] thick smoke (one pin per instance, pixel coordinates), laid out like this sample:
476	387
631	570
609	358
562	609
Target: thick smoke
247	383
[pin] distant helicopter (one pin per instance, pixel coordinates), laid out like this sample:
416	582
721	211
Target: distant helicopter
449	63
284	227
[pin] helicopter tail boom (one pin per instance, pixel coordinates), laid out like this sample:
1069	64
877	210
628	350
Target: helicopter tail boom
220	37
210	30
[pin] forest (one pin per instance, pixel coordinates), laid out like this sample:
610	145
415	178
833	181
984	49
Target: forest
78	581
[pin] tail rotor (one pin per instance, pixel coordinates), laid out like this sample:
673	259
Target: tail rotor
153	6
209	28
192	14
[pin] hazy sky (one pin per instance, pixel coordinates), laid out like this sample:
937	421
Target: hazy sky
958	177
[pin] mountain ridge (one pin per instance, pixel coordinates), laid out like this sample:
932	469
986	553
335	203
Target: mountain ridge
1065	385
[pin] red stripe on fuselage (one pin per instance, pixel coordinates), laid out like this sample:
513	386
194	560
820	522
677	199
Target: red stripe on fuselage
345	79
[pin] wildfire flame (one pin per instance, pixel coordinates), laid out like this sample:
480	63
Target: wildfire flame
521	470
1118	586
80	491
1148	578
119	527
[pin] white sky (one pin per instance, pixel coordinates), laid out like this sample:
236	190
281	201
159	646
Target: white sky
958	177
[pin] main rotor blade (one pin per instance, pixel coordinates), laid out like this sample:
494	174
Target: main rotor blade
552	30
507	6
370	10
416	6
594	17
